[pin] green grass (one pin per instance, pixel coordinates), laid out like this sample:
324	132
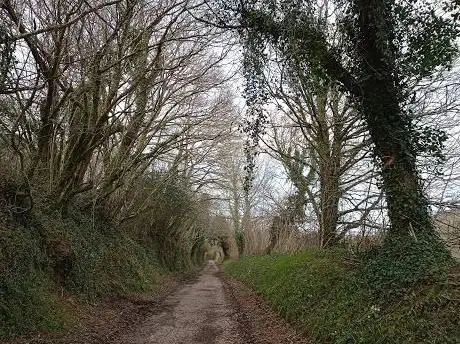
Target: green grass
333	302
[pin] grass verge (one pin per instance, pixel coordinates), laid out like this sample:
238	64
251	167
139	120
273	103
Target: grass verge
333	301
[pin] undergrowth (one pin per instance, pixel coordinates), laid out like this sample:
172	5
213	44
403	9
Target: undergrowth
45	253
26	298
333	298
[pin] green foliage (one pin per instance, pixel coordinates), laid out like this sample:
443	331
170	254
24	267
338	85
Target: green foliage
94	259
84	252
26	301
333	302
424	36
49	252
28	304
239	239
400	263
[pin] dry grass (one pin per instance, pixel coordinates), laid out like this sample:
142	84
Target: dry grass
448	224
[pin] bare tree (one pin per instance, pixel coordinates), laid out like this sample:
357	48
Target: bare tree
323	145
103	90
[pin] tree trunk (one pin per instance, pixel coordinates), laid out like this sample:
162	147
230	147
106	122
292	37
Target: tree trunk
330	154
389	126
329	204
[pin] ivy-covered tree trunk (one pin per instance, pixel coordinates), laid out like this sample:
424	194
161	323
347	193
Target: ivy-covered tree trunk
407	205
389	126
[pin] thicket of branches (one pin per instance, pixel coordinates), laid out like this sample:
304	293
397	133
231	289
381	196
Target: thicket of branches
123	109
382	58
116	108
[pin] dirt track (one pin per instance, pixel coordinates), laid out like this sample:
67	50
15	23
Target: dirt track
211	310
208	309
197	313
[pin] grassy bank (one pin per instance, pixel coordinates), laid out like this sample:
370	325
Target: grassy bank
46	257
331	299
